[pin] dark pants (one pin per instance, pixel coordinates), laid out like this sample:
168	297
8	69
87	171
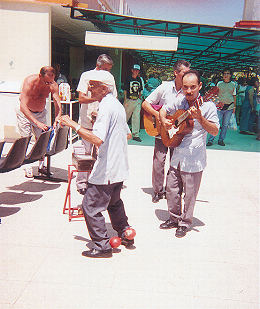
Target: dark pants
159	156
99	198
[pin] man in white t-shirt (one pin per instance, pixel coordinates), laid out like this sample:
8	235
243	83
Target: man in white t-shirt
166	93
110	134
89	108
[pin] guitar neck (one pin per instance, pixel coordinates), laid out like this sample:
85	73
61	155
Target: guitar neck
182	118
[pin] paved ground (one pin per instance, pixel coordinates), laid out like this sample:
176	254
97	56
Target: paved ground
216	266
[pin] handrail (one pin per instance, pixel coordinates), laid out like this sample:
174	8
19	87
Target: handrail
10	92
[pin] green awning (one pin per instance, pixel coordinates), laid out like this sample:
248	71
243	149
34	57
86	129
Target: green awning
208	48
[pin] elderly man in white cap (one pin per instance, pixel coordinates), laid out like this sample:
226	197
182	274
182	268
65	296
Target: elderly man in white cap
89	107
132	100
110	133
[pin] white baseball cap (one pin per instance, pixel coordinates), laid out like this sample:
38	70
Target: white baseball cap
102	76
136	67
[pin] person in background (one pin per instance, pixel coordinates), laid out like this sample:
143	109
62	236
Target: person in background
59	78
258	114
204	82
151	85
240	97
31	114
89	108
132	100
143	83
227	97
248	109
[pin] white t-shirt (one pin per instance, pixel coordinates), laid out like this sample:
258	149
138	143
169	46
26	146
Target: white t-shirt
111	127
226	94
87	109
165	94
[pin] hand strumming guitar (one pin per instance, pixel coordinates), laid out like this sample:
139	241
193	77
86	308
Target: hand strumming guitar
167	123
195	113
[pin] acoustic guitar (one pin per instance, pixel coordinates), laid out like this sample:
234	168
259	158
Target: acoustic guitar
182	121
151	124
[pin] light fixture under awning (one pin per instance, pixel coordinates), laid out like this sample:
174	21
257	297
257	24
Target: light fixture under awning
131	41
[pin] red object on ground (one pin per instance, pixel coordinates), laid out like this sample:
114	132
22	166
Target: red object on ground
130	233
115	241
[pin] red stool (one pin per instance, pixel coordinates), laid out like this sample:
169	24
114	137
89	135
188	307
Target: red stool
80	163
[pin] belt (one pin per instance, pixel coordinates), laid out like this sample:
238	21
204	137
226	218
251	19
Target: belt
35	112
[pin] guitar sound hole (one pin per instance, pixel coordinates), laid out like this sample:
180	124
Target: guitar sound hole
154	122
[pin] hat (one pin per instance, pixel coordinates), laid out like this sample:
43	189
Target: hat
102	76
136	67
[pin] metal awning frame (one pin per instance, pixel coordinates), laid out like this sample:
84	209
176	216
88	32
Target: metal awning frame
208	48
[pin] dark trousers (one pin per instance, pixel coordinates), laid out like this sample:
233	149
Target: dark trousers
99	198
159	156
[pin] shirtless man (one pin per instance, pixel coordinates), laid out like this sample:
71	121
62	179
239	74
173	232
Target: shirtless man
31	115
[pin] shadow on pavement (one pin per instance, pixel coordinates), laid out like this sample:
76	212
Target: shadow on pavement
163	215
13	198
8	211
148	190
30	186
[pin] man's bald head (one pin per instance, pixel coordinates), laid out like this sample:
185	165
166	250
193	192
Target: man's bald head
47	70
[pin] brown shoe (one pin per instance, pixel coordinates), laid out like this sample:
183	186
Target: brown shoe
168	224
95	253
181	231
157	197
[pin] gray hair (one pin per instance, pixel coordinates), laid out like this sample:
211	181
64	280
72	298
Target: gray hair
104	58
177	65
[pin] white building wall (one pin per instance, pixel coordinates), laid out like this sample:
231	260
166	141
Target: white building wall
25	36
251	10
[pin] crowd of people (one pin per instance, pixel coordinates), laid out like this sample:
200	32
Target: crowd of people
104	125
241	91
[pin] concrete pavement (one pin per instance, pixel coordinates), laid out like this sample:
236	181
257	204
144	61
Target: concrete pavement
215	266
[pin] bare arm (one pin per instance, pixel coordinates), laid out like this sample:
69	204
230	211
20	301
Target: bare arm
85	99
148	108
125	95
165	122
57	103
24	102
84	133
209	126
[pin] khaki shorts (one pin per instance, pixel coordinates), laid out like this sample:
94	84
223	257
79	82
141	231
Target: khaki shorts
26	127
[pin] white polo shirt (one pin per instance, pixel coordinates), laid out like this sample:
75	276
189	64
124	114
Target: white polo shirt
111	127
164	94
87	109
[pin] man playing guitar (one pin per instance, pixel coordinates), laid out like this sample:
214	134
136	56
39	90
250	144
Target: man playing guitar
189	158
166	93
